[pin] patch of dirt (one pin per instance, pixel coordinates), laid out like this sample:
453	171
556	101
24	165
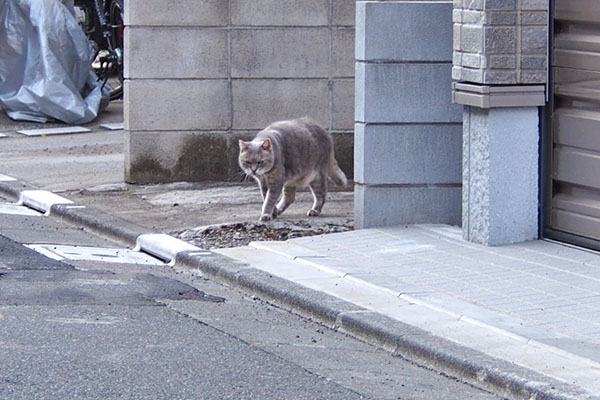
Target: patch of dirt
242	233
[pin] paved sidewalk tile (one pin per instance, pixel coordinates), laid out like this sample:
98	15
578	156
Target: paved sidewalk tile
552	290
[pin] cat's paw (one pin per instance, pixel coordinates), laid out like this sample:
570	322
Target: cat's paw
276	212
313	213
265	218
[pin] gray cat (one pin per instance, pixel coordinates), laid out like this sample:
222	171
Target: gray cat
287	155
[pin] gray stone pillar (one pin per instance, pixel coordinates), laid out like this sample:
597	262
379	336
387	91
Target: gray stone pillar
407	132
500	175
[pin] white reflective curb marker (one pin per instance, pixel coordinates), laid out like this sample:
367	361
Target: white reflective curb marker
163	246
41	200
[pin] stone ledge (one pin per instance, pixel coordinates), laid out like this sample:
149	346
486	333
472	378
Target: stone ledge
486	96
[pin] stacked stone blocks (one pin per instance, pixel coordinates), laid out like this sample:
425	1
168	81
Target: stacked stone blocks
407	131
500	41
202	74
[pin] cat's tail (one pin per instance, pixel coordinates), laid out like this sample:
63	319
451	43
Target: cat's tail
335	173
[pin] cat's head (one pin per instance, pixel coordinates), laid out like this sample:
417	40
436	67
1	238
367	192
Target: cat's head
256	157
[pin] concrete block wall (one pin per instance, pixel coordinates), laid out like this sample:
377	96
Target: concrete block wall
199	75
408	134
500	41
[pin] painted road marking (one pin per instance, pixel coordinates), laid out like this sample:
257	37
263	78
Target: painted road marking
15	209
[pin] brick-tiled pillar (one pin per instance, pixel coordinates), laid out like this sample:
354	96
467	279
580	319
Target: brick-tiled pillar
500	42
500	68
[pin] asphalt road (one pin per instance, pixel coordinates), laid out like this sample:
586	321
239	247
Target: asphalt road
105	330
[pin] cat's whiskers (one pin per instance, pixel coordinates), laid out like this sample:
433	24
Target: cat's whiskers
242	177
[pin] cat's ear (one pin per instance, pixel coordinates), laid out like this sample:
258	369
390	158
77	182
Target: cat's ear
243	145
266	144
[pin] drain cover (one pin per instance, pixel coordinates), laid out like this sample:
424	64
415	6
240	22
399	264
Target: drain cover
85	253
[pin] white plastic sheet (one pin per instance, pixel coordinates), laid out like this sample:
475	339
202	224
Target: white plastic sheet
45	64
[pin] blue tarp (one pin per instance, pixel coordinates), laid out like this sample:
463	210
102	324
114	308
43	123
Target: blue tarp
45	64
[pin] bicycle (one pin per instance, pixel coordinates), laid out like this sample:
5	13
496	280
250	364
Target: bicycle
102	22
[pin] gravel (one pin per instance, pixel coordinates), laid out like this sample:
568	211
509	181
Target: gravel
242	233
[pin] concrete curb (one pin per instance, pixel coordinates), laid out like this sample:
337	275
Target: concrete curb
481	370
13	189
99	222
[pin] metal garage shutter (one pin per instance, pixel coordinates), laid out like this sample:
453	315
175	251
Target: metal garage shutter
574	210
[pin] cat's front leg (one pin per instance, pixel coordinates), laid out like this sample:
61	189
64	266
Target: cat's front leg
268	209
262	184
289	194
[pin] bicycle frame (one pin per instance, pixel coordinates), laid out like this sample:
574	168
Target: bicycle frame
95	18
